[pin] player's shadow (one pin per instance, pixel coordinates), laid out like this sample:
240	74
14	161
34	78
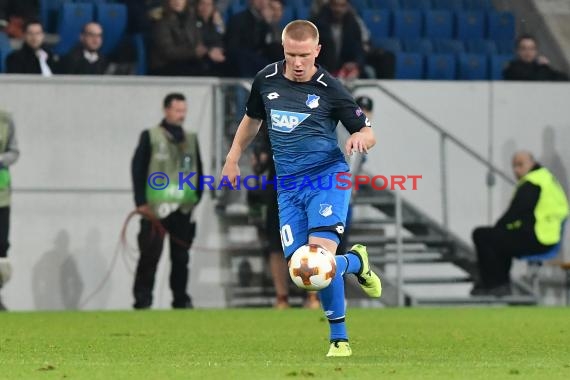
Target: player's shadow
56	282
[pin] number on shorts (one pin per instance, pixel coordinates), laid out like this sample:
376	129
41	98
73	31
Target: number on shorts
286	235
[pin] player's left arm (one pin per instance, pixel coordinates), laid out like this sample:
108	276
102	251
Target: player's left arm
360	141
354	120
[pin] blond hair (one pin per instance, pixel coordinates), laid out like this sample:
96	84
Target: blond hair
300	30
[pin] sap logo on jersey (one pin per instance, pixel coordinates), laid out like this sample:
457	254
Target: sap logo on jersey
285	121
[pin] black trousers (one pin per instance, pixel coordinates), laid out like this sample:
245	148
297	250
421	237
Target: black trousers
496	248
150	246
4	230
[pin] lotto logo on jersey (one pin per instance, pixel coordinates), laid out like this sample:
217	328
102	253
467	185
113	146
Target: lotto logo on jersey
285	121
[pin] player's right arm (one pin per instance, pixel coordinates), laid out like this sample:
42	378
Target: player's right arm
247	130
245	134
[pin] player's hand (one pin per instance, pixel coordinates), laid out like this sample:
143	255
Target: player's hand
356	143
231	172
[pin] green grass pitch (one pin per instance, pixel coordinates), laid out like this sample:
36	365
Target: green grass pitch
464	343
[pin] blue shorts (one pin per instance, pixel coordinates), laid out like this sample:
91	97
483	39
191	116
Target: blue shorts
306	211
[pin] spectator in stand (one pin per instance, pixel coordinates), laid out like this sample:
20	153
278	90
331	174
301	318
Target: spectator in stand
529	65
33	57
85	58
177	49
211	27
15	14
247	39
275	16
342	52
140	13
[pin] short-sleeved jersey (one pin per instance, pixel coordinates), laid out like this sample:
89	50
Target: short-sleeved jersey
302	118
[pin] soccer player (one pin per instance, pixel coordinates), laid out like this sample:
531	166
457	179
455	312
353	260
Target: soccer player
302	104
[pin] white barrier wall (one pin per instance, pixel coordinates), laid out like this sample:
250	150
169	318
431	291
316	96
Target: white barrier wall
81	133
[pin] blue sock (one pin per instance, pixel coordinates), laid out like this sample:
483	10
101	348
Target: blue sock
354	264
332	301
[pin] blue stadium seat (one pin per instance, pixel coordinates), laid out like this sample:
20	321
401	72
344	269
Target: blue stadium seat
140	51
448	5
441	67
409	66
384	4
378	22
478	5
48	14
448	46
359	5
5	49
407	24
113	20
505	46
472	67
498	63
390	44
481	47
420	5
72	18
302	13
288	16
501	26
470	25
421	46
438	24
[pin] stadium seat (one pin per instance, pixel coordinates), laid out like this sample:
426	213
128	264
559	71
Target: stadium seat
390	44
448	46
72	18
409	66
481	47
302	13
505	46
288	16
378	22
5	49
478	5
470	25
421	46
441	67
420	5
359	5
501	26
407	24
384	4
448	5
48	14
140	51
472	67
113	20
498	63
438	24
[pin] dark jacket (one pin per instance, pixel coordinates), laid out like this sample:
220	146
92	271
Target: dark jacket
25	61
174	39
74	63
523	71
522	207
211	34
246	31
351	49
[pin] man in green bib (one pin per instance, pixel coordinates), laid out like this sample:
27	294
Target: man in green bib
165	156
532	225
9	154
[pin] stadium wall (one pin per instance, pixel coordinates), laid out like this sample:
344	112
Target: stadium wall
77	136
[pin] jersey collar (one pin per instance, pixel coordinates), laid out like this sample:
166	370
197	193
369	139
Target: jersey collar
281	67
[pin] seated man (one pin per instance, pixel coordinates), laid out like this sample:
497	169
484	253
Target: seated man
530	226
529	65
85	58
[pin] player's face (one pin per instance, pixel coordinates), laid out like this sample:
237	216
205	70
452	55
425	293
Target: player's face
176	112
300	58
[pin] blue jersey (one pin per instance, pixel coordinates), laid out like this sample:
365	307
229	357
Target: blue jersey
302	118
